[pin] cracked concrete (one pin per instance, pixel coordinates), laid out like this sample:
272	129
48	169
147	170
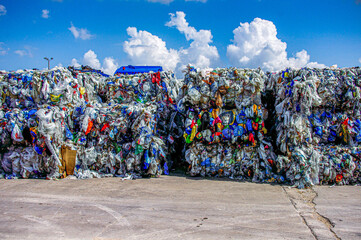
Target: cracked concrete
342	206
303	202
168	208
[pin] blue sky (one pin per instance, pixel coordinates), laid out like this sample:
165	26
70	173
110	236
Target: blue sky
204	33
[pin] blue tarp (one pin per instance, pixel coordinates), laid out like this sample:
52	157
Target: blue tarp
137	69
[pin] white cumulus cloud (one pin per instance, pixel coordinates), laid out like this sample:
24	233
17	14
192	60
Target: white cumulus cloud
110	65
90	59
200	53
45	13
256	44
359	60
2	10
81	33
143	48
75	63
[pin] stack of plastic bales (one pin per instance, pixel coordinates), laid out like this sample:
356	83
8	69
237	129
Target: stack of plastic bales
43	112
159	90
224	127
317	115
136	125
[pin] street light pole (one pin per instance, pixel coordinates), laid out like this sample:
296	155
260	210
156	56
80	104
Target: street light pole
48	61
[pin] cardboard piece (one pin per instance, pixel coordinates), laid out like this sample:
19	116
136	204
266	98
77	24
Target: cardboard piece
68	160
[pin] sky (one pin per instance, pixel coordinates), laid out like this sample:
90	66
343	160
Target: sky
106	34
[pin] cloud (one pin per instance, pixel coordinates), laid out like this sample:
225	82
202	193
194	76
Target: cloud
81	33
161	1
200	53
256	44
90	59
24	52
143	48
109	65
21	52
359	60
75	63
2	10
45	13
317	65
3	49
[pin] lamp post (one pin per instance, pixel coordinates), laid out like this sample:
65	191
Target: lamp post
48	61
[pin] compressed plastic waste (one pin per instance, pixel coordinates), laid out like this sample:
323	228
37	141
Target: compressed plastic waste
159	90
317	118
340	165
297	126
43	111
224	132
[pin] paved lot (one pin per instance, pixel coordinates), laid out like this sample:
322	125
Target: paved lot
175	208
342	205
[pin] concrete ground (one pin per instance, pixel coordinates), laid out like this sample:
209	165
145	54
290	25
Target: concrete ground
172	207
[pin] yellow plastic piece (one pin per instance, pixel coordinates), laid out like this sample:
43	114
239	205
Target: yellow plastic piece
82	90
